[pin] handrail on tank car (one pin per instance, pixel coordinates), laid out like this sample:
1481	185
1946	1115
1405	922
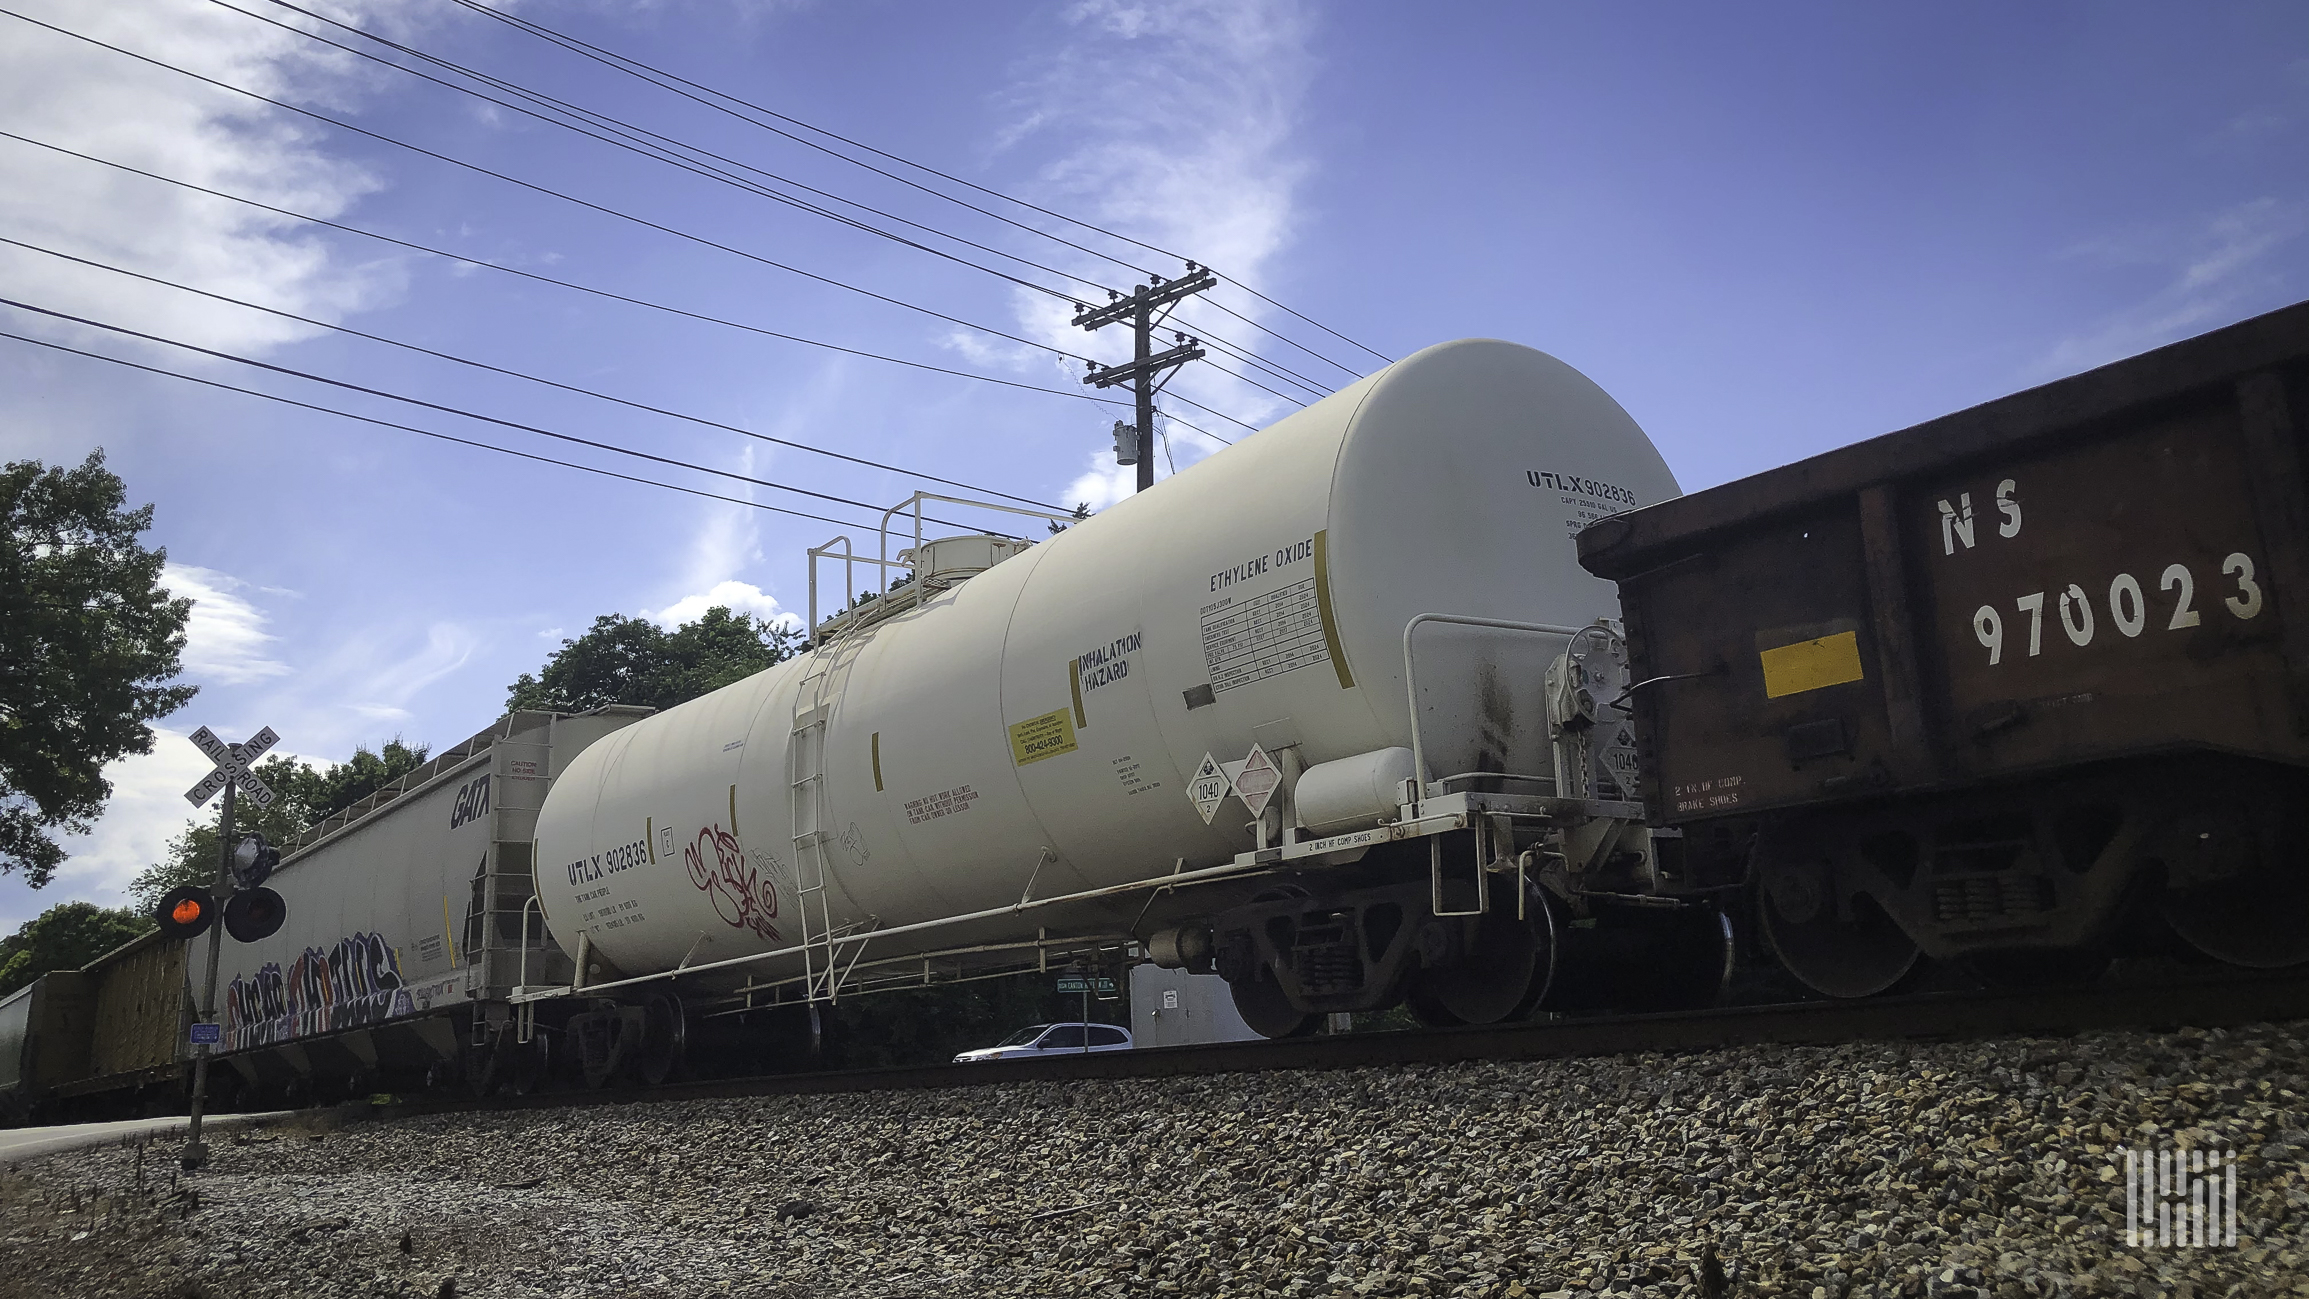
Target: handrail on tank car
849	574
1205	875
914	503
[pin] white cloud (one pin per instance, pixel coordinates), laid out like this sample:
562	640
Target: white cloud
377	678
738	597
225	641
2216	272
147	806
77	96
1179	118
1104	483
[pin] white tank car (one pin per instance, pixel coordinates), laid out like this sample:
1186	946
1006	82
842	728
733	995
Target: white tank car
1037	725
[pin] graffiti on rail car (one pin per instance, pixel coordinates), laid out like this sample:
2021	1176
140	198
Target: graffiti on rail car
744	897
357	981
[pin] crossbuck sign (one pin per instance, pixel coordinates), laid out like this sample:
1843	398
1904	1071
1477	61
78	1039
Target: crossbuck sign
234	762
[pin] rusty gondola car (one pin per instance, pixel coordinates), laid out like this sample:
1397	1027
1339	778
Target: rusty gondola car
2024	687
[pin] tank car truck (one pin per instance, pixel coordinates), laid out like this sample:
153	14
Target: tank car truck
2024	687
1328	714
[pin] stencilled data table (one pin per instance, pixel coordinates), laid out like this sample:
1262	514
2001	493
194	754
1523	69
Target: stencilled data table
1264	636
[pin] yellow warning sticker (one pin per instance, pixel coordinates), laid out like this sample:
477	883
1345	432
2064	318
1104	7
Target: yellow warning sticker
1811	665
1042	737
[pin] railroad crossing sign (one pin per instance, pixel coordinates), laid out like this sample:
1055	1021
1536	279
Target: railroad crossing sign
233	762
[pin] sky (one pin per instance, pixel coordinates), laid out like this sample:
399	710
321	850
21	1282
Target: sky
1767	230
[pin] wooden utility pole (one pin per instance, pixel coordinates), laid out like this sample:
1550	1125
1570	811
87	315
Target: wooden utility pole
1146	364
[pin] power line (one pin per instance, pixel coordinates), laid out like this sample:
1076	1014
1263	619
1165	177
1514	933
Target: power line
571	198
663	151
596	292
350	386
411	428
546	190
517	374
659	147
628	65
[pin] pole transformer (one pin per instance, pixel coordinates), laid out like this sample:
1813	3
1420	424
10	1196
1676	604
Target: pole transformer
1141	373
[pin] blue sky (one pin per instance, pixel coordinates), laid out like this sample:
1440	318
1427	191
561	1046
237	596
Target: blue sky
1768	230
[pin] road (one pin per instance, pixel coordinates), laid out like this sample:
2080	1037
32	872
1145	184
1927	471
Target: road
31	1143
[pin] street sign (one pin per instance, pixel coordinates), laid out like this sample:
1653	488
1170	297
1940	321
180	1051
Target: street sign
1084	983
208	1035
1208	787
1257	781
233	762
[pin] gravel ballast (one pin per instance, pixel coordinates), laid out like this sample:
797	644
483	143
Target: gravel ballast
1975	1168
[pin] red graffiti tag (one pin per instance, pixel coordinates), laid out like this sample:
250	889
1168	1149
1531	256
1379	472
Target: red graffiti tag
741	896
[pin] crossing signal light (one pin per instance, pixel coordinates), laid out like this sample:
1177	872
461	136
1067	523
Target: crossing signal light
187	911
254	914
253	862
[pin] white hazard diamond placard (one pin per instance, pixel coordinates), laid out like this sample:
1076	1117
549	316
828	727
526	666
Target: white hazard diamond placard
1208	787
1257	781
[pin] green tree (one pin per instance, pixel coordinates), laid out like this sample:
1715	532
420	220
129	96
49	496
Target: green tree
64	937
305	797
88	637
622	660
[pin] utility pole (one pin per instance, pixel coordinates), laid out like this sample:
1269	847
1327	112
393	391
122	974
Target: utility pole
190	906
195	1153
1146	364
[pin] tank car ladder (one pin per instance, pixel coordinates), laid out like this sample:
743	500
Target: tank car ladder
806	776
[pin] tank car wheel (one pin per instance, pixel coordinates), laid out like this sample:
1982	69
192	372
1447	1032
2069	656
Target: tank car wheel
483	1070
1694	965
1260	1001
529	1066
297	1092
1505	972
664	1050
2027	968
2238	881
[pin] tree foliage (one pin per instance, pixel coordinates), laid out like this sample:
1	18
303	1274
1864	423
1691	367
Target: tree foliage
64	937
88	639
622	660
306	796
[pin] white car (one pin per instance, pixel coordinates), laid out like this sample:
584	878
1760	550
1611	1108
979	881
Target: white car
1039	1040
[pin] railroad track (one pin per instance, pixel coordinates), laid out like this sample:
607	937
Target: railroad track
2212	1003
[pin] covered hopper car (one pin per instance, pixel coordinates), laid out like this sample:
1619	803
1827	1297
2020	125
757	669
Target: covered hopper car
410	925
2024	687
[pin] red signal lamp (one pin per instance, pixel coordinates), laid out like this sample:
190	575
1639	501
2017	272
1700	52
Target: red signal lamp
186	912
